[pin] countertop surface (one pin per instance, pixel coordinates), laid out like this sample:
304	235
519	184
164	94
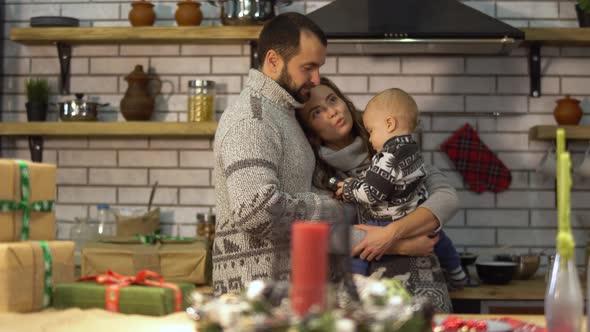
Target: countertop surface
97	320
523	290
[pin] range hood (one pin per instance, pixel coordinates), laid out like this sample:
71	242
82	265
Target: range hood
413	26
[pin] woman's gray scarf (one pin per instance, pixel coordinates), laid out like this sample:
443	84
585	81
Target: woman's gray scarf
350	160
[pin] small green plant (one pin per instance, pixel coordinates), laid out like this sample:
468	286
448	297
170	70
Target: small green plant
584	5
37	90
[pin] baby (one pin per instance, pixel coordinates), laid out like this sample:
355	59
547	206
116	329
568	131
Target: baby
393	185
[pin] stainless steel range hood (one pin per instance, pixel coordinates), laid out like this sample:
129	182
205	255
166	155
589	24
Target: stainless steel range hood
413	26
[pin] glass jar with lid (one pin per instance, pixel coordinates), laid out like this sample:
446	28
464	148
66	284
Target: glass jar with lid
201	100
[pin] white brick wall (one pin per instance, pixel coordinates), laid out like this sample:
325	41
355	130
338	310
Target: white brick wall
121	171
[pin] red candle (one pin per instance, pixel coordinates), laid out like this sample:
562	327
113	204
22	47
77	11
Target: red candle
309	265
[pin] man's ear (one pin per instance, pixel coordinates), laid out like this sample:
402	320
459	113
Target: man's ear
391	124
273	64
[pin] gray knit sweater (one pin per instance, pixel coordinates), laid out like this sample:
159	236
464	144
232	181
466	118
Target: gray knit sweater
263	180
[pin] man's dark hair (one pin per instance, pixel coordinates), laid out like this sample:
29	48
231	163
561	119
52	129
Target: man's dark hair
282	34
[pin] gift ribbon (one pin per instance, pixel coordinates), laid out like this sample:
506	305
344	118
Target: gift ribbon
115	282
40	206
48	272
153	238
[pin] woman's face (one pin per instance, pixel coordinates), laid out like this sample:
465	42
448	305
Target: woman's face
327	115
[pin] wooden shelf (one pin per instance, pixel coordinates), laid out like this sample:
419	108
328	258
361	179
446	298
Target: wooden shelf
224	34
85	35
558	36
548	132
161	129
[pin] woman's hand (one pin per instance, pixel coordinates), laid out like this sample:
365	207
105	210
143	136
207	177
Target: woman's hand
422	245
378	240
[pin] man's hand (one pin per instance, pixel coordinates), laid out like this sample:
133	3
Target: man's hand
378	240
422	245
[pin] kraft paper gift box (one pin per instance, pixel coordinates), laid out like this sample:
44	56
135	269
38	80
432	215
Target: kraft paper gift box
130	299
27	197
26	276
146	223
187	260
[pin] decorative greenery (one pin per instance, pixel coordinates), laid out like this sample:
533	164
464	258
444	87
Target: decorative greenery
37	90
584	5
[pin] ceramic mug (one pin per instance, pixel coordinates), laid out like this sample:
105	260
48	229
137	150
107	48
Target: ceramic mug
584	168
548	165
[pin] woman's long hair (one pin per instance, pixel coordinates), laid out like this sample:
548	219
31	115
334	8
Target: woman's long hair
323	172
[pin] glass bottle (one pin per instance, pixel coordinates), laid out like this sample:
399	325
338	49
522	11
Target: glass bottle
81	233
201	100
564	305
103	215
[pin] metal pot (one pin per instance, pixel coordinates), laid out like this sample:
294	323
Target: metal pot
527	264
247	12
79	109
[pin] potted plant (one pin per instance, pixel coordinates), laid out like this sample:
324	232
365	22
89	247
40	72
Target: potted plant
37	99
583	11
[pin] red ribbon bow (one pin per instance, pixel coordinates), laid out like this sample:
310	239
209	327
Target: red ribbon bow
115	281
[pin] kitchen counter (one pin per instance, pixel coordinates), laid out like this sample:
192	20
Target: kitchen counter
97	320
533	289
517	297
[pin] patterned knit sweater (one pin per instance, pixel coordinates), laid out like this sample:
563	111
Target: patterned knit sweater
263	178
393	185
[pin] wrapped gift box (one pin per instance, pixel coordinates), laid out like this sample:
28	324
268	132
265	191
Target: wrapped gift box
133	299
175	260
22	273
41	189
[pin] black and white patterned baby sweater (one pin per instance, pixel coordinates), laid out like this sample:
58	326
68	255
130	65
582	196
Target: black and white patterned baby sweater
393	186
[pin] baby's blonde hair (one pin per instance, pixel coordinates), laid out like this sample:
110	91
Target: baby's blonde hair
399	103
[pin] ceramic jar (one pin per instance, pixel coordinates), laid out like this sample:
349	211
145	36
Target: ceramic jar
188	13
139	101
568	111
142	13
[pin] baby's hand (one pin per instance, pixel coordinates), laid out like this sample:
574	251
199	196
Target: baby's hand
339	190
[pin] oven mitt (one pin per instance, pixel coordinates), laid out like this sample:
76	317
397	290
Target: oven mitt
480	167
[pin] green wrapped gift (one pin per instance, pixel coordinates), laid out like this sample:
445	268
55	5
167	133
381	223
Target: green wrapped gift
148	299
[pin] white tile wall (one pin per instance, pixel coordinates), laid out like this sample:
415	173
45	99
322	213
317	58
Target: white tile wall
121	172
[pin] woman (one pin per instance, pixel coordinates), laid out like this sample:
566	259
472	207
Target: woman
335	131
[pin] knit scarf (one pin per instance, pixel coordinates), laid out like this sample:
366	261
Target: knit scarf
350	160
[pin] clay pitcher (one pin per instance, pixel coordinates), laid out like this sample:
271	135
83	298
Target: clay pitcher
188	13
139	102
568	111
142	14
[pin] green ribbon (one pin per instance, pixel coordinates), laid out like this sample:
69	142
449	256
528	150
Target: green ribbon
48	269
154	238
40	206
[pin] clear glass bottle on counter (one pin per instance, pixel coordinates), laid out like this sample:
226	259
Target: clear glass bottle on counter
201	100
564	304
81	233
105	223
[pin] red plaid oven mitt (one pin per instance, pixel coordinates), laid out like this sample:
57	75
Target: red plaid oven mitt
479	166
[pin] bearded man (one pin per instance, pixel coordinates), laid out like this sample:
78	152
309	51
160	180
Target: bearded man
263	161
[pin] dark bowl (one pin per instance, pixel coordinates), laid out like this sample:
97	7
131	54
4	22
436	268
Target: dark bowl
495	273
467	258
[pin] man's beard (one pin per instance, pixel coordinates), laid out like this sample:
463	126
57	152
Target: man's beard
300	94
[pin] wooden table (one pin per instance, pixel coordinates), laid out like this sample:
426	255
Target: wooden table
97	320
518	297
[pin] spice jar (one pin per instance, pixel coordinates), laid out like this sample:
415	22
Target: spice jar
201	100
201	225
210	222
